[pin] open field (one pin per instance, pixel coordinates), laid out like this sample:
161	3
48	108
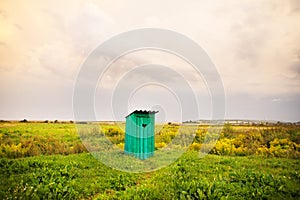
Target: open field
33	139
48	160
213	177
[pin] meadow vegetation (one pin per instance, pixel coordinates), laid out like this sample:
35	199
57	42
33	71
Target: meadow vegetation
33	139
44	160
81	176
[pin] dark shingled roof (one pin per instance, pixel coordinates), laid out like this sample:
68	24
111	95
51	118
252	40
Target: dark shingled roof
142	112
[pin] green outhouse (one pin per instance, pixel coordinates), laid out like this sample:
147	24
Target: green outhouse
139	134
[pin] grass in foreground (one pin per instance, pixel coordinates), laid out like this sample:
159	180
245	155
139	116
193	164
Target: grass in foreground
212	177
38	173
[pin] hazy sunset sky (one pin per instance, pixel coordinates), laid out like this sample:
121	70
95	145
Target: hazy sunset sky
254	44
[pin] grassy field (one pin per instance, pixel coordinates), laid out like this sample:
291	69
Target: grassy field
48	161
213	177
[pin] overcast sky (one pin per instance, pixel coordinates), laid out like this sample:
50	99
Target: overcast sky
255	46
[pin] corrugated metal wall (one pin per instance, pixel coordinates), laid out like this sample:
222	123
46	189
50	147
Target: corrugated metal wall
139	135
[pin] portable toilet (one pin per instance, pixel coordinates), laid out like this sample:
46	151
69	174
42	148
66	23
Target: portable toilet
139	134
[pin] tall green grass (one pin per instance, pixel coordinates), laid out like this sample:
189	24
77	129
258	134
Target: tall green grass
33	139
212	177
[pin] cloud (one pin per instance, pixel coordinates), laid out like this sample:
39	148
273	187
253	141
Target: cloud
276	100
254	45
296	68
3	15
294	6
260	50
255	39
178	70
56	41
88	27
